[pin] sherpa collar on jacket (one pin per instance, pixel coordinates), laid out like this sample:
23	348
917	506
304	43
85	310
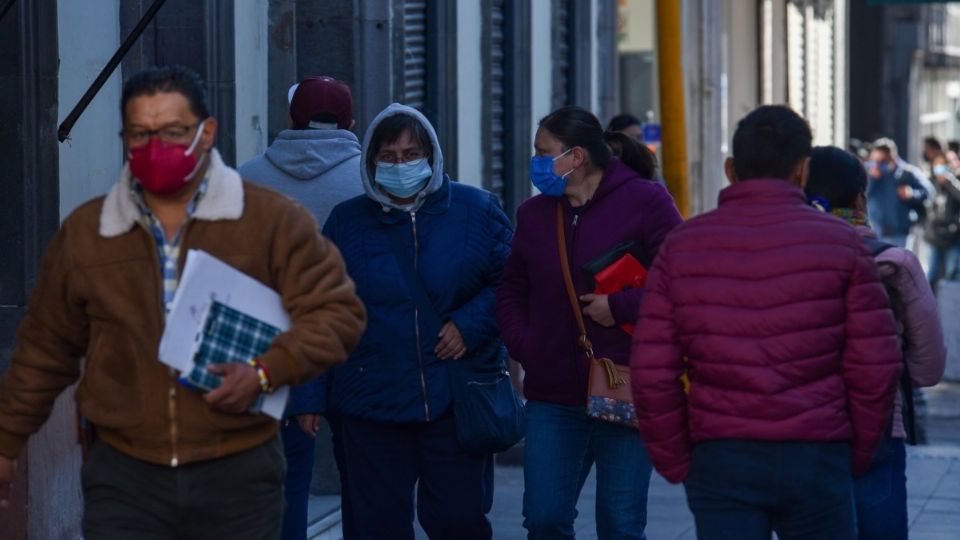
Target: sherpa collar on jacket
223	199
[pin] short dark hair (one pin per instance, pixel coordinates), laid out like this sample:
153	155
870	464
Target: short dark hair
770	142
836	177
389	131
621	122
933	142
954	146
166	79
633	154
575	126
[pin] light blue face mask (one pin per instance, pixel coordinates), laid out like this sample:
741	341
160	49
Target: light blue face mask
403	180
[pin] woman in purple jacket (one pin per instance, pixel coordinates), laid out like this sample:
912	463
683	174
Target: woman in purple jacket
605	203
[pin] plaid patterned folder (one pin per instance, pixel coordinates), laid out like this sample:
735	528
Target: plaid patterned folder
228	336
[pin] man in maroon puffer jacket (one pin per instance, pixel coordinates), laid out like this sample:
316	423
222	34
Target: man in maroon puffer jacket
777	315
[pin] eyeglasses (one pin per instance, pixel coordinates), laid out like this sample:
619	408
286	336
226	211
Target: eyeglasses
168	134
396	158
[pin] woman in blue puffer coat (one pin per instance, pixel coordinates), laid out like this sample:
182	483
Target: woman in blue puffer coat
391	400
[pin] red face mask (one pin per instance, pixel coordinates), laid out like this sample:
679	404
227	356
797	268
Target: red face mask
164	168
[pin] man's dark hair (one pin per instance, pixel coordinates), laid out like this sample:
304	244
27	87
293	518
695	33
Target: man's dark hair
954	146
770	142
389	131
837	177
575	126
932	142
621	122
166	79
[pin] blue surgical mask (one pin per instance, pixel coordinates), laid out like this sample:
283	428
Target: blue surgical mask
939	170
403	180
543	177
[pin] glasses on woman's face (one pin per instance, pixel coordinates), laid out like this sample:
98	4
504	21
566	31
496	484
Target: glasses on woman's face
172	134
396	157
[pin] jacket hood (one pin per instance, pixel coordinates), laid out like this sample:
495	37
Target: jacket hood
435	182
305	154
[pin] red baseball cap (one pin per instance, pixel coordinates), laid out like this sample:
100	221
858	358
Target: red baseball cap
315	97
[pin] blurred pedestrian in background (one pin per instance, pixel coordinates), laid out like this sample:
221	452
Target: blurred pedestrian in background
895	195
942	231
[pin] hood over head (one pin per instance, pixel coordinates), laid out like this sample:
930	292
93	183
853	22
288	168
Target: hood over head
435	182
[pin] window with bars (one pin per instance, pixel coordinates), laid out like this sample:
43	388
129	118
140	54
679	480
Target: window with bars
810	65
412	89
494	96
561	53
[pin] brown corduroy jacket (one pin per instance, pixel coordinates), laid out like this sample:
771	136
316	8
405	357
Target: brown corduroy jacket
100	297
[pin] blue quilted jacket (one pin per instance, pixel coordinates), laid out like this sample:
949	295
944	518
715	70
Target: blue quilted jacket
460	239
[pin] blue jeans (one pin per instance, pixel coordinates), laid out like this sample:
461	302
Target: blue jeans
744	489
943	262
562	444
881	495
298	448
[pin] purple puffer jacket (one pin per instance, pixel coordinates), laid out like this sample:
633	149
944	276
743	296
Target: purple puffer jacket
536	320
778	316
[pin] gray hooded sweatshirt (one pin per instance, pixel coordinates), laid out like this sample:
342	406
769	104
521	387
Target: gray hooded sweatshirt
319	168
435	182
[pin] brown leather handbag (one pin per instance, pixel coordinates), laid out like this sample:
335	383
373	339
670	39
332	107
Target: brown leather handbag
609	397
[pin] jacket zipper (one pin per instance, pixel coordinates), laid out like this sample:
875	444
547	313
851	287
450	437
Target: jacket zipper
172	409
416	321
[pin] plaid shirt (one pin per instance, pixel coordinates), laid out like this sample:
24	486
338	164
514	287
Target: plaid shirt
167	249
228	336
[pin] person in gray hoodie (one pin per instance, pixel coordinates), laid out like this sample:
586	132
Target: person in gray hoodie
317	163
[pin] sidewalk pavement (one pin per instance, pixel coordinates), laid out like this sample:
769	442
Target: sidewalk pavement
933	489
933	486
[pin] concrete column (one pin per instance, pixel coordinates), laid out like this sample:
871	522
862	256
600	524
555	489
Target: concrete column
250	63
541	69
469	93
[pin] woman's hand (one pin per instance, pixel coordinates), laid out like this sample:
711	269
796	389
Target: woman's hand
598	309
451	344
310	423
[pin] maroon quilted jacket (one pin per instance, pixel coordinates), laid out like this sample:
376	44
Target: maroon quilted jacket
777	313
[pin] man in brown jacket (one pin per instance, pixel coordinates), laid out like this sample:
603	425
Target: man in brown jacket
170	462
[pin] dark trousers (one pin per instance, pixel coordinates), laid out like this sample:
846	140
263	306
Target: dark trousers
881	495
346	511
383	463
236	497
743	490
299	450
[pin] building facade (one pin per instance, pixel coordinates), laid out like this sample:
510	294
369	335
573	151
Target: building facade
905	72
